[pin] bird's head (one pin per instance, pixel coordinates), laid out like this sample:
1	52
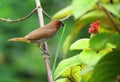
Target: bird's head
58	23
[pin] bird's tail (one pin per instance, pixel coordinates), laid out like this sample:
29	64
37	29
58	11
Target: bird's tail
21	39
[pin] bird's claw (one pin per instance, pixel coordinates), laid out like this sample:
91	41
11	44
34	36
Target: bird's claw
46	52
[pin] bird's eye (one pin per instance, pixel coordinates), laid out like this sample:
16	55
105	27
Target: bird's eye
61	24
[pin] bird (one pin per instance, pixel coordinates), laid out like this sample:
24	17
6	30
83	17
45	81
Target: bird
41	34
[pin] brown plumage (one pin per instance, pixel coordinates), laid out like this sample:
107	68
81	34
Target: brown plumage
41	34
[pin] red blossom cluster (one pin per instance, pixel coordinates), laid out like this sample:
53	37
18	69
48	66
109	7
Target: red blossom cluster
94	27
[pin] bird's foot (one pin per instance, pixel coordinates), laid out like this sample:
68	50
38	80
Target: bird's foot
46	52
43	50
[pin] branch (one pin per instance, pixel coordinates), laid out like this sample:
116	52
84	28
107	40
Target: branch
109	16
20	19
47	14
44	47
111	19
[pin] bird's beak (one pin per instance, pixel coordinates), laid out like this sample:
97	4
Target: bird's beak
62	24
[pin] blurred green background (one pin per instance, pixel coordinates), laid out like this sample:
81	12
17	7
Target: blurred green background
22	62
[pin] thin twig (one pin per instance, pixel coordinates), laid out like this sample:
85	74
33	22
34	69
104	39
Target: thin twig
45	48
68	16
109	16
58	49
20	19
111	19
47	14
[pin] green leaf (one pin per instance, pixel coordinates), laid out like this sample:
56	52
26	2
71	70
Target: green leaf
98	42
67	43
80	44
107	1
71	37
108	68
105	40
62	80
66	64
86	70
113	8
90	57
115	39
80	7
71	71
74	72
92	16
63	12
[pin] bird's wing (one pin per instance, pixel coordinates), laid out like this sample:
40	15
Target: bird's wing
41	33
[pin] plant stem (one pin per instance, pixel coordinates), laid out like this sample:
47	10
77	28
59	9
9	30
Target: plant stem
109	16
58	49
44	46
111	19
20	19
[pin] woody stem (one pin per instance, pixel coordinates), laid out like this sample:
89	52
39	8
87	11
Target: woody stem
20	19
44	46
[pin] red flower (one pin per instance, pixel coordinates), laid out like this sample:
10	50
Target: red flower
94	27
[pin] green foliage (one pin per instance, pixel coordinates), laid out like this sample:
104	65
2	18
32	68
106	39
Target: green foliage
65	65
90	57
73	72
108	68
58	48
81	7
91	16
96	48
71	37
90	61
21	62
104	41
63	12
113	8
61	80
80	44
